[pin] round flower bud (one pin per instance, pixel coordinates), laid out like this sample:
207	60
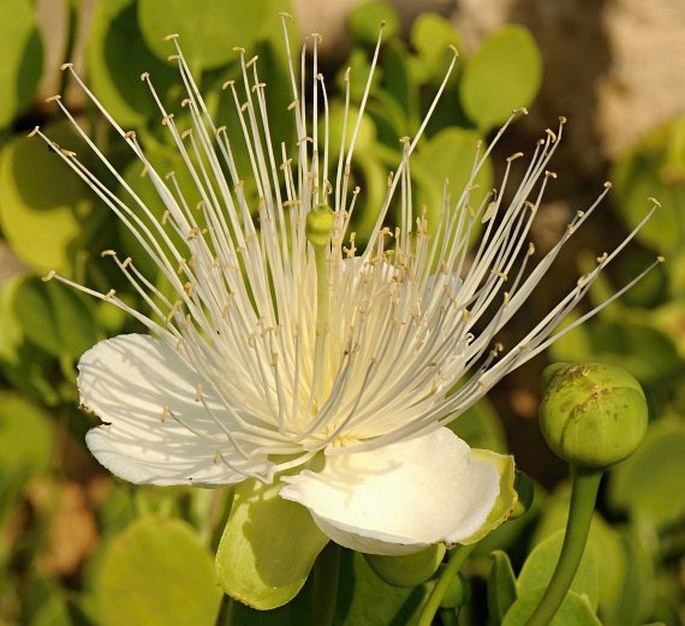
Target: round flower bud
591	414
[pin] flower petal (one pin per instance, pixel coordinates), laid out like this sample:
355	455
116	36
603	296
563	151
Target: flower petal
155	430
400	498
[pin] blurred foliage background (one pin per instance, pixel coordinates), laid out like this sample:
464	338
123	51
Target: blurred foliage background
80	548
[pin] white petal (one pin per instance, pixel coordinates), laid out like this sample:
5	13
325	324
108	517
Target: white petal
129	382
401	498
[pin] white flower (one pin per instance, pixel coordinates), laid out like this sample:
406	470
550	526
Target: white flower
327	368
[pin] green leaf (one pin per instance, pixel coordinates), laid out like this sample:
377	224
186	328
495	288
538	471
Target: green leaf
22	57
649	484
208	30
43	204
365	599
574	610
407	570
364	22
55	317
448	156
504	74
655	167
268	547
541	562
26	436
117	56
480	427
501	586
157	573
431	36
11	335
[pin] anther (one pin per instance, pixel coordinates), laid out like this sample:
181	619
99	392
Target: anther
551	134
34	132
145	76
54	98
171	37
66	66
108	252
49	276
513	157
654	201
550	174
198	393
110	294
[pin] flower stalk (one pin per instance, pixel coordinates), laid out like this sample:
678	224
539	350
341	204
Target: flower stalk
585	485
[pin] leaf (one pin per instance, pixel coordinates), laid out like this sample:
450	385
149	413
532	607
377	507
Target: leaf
366	600
364	22
117	56
574	610
480	427
431	36
504	74
268	547
649	484
448	156
157	573
26	436
541	562
43	204
208	30
655	167
22	57
55	317
501	586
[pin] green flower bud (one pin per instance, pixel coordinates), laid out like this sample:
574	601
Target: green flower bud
320	221
407	570
592	415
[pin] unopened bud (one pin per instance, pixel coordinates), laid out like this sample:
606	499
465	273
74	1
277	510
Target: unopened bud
592	415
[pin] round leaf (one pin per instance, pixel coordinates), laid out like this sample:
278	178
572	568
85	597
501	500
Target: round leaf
504	74
157	573
26	438
539	566
208	30
43	204
22	57
649	484
117	56
655	167
55	317
574	610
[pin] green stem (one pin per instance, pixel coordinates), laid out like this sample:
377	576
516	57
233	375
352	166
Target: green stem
325	585
457	557
585	484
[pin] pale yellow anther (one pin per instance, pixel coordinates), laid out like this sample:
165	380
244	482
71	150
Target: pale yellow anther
227	84
198	393
66	66
127	261
108	252
562	119
608	184
145	76
513	157
130	134
550	174
186	133
34	132
54	98
67	153
165	414
602	258
654	201
110	294
252	61
171	37
551	134
531	249
49	276
239	49
660	259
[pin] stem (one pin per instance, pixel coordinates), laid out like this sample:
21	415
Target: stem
325	585
585	484
457	557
